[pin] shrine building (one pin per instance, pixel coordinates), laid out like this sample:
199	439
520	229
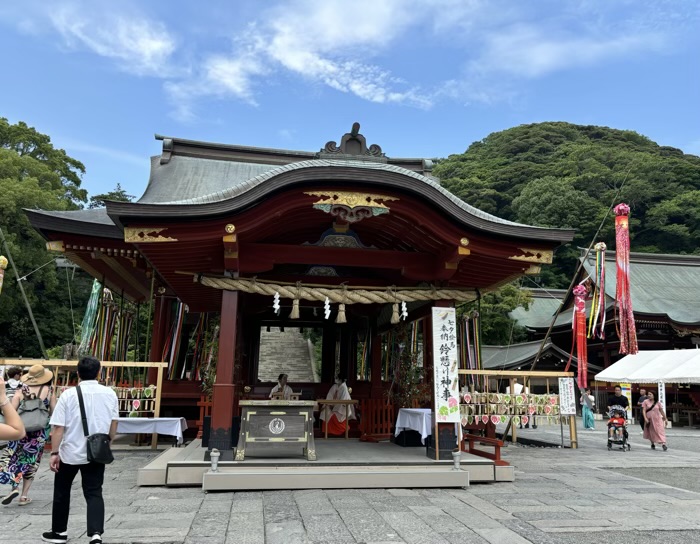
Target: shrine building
350	239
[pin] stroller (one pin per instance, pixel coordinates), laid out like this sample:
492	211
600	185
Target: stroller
617	429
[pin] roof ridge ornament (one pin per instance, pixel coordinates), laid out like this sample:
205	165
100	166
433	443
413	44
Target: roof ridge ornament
353	144
168	146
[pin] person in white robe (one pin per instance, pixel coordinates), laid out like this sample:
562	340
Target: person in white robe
335	416
282	388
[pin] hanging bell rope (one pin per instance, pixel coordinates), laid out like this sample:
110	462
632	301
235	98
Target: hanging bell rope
394	309
295	304
338	295
341	308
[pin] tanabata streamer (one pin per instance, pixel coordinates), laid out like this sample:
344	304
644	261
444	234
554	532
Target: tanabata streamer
626	330
578	324
596	322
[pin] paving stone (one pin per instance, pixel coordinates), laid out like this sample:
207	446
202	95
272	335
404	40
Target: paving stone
544	514
288	532
205	540
439	521
211	506
412	529
327	528
465	537
403	492
485	507
281	513
250	505
368	525
471	518
502	535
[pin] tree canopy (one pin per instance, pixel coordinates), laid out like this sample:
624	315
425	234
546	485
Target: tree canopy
34	174
558	174
118	194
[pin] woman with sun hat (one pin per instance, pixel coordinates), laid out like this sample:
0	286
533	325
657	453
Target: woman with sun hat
19	461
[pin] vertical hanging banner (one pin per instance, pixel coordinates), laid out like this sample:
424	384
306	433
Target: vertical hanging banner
627	392
445	371
567	397
661	398
627	331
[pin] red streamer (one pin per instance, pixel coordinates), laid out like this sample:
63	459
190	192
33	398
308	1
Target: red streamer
580	337
626	329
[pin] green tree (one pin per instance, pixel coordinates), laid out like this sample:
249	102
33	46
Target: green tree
563	175
497	328
34	174
118	194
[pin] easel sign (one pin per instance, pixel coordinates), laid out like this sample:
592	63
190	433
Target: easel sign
567	397
445	371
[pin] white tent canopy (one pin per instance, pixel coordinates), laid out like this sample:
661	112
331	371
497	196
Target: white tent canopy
669	366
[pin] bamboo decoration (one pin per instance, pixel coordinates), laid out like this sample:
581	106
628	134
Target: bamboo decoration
596	321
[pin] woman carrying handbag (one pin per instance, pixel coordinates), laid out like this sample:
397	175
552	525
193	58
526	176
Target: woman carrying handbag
654	422
19	461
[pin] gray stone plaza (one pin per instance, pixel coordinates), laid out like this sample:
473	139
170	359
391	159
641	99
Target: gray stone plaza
587	495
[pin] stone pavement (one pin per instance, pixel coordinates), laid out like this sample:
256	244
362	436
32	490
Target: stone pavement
560	496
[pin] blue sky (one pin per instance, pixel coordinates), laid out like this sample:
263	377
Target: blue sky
424	78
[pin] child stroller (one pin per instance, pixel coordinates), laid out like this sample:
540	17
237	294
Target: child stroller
617	429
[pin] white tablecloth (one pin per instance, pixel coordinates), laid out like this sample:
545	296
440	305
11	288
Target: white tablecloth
415	419
172	426
418	419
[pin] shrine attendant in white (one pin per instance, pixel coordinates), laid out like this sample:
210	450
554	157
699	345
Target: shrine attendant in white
335	417
282	388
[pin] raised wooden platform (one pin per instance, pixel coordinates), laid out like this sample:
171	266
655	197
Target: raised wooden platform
340	464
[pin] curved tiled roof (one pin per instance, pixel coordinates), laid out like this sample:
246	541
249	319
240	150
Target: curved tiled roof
238	188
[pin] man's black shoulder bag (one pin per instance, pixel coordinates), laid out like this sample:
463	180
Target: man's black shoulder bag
98	448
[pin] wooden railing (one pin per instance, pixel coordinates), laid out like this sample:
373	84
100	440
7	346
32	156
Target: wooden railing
376	420
468	445
204	405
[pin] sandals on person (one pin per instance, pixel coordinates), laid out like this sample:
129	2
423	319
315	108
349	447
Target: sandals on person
664	447
10	497
24	501
653	446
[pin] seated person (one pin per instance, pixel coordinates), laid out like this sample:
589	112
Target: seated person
616	425
281	390
334	416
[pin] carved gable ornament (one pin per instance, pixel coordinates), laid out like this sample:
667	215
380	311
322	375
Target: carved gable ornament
351	207
352	143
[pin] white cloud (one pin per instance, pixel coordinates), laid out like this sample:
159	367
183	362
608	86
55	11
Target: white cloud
528	51
328	43
138	45
83	147
484	49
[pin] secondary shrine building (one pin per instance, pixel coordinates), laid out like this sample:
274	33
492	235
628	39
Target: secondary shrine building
221	228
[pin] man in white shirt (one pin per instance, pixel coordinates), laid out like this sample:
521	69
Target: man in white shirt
69	455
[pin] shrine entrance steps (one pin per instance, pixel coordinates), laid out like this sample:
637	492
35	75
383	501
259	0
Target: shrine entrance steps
340	464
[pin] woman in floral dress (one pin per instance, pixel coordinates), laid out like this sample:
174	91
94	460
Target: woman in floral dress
654	422
19	460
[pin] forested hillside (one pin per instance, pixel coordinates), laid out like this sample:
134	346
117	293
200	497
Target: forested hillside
563	175
34	174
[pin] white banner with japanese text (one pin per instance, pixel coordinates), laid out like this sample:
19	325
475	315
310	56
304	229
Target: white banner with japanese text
445	371
567	397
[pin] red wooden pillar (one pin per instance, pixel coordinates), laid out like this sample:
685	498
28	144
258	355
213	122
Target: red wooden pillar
161	320
226	395
377	391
